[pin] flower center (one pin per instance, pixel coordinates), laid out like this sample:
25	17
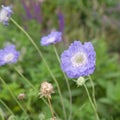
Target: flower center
79	59
51	39
9	57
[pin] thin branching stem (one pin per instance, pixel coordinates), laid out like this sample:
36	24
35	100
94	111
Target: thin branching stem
51	108
29	83
13	95
46	64
24	78
93	91
67	82
91	102
9	110
2	117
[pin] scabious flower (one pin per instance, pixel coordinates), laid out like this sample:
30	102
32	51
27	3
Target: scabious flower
8	55
52	38
78	60
5	14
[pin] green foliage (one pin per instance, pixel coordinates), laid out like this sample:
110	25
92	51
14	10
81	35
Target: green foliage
82	21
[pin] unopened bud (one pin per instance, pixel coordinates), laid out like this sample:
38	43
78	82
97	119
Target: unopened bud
80	81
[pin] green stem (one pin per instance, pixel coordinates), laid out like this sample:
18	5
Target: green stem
68	85
51	108
41	55
2	117
93	91
10	111
24	77
1	114
92	104
12	95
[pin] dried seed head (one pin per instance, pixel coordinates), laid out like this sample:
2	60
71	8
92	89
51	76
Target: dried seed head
21	96
46	89
54	118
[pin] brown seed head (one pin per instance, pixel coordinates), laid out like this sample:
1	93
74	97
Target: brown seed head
21	96
46	89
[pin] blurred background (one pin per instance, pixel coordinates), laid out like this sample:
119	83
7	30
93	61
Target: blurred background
97	21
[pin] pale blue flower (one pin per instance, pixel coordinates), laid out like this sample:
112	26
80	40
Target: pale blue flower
52	38
78	60
8	55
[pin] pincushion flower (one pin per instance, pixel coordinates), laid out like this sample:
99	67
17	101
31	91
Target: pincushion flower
52	38
8	55
5	14
78	60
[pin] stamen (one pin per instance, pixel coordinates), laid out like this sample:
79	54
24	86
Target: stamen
9	57
79	59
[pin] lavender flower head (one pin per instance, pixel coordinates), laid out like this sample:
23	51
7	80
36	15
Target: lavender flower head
8	55
5	14
78	60
52	38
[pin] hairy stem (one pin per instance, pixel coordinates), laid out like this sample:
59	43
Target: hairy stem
51	108
13	95
41	55
91	102
67	82
10	111
93	91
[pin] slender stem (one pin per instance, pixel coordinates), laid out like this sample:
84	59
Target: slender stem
50	106
68	85
41	55
29	83
12	95
10	111
93	91
1	114
24	78
92	104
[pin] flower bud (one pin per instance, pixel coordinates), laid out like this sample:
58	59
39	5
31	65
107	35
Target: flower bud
80	81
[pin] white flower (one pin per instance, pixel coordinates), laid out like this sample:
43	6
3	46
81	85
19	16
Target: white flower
5	14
